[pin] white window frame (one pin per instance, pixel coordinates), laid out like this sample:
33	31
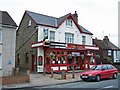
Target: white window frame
109	52
84	40
52	35
29	23
69	23
69	38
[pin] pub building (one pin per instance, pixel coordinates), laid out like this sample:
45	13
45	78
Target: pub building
44	43
66	47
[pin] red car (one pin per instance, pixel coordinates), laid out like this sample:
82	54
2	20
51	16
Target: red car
99	72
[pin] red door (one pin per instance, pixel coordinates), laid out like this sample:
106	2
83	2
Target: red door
33	63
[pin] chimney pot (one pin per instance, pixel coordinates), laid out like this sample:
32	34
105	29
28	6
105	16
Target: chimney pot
75	15
106	39
105	36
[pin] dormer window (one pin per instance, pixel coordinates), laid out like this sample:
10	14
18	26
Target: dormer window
69	23
29	23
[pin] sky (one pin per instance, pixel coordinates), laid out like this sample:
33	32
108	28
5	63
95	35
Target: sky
98	16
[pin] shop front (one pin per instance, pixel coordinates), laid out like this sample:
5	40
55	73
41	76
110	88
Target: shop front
58	57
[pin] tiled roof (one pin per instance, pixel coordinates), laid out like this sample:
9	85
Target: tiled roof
6	19
103	45
85	30
42	19
51	21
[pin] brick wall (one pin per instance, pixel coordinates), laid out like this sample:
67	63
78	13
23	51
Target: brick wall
24	39
15	79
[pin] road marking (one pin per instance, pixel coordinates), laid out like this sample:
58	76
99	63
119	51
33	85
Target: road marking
105	88
109	87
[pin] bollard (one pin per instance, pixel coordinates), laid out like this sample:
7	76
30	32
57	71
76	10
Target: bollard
44	71
52	73
73	73
63	75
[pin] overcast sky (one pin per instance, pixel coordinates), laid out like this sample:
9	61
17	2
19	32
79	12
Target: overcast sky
98	16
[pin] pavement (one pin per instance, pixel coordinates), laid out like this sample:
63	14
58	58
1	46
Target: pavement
40	80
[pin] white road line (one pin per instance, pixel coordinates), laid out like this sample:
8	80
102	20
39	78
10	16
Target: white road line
105	88
109	87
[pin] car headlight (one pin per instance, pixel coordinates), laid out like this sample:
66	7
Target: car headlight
91	75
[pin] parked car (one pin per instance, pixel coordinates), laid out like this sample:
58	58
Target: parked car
99	72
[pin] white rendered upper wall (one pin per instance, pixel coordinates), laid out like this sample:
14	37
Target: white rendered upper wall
60	33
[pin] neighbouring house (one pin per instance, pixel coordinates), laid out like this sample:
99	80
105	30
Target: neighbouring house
44	43
108	52
7	43
119	25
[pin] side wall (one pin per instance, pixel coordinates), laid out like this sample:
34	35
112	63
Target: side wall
24	39
8	48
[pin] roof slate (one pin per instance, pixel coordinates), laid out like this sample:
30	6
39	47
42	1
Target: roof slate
6	19
103	45
42	19
51	21
84	30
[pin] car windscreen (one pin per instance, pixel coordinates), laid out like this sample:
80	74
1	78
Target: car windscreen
96	67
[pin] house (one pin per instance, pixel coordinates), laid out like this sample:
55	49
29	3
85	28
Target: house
109	53
7	43
45	43
119	25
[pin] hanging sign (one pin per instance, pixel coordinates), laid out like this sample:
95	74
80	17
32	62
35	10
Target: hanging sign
45	32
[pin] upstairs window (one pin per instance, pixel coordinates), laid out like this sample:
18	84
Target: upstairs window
69	38
29	23
69	23
52	36
83	40
109	52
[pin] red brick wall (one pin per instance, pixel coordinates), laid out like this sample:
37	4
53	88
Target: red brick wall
15	79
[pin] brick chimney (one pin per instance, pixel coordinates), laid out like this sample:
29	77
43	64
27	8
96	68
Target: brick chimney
75	15
106	39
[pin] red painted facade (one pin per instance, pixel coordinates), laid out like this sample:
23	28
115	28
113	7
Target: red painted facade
71	56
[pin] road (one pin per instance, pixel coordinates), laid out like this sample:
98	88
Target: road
92	85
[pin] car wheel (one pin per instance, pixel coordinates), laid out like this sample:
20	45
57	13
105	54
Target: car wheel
114	76
98	78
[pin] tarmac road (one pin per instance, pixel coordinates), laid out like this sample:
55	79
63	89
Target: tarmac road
106	84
